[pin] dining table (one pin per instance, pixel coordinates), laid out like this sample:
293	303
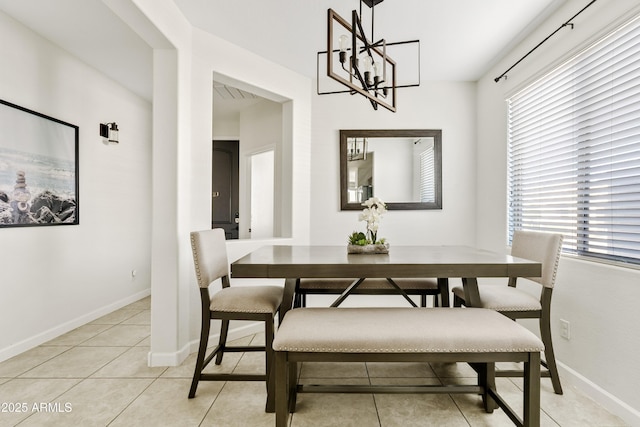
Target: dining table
292	262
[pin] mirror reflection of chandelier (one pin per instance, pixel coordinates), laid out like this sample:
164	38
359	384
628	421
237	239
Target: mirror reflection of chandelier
356	149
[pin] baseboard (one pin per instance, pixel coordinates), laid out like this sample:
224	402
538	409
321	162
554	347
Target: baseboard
176	358
603	397
56	331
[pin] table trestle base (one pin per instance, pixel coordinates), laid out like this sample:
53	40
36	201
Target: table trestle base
390	389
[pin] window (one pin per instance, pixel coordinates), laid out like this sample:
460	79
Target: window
574	151
427	175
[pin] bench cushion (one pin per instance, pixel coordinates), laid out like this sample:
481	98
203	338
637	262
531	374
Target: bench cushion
402	330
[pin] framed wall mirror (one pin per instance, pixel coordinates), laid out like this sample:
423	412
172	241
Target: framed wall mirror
401	167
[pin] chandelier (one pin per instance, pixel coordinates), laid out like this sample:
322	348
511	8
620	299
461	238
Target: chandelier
356	149
359	62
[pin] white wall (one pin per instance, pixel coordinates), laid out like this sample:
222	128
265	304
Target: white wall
600	301
212	55
57	278
262	172
449	106
233	65
185	61
260	130
226	129
392	184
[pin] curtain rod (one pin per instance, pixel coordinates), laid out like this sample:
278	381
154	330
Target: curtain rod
566	24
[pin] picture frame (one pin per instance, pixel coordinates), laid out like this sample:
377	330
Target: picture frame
39	183
403	167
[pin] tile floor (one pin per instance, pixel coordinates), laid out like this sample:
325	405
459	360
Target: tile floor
97	375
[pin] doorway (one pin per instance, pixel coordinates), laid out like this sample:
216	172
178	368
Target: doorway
262	194
225	188
260	123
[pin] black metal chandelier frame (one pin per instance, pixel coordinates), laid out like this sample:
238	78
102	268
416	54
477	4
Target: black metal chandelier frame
375	87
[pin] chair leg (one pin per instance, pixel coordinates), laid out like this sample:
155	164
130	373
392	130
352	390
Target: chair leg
423	300
224	329
204	339
457	301
297	300
269	364
545	335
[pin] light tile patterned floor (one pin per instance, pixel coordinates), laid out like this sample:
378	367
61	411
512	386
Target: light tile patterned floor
97	375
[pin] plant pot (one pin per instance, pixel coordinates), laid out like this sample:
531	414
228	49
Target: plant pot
368	249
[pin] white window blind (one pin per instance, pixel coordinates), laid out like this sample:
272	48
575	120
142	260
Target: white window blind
427	176
574	151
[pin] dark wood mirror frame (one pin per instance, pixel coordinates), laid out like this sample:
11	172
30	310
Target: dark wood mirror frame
436	134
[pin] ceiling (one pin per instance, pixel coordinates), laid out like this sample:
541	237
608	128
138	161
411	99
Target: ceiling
228	102
459	39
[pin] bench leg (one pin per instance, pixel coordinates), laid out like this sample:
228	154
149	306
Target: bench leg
487	380
531	416
282	386
293	386
269	365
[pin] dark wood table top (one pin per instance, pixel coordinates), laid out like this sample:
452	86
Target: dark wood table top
401	261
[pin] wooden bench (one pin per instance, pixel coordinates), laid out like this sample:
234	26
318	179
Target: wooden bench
478	336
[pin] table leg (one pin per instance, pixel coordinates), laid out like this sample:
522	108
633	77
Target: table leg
347	292
287	296
471	292
357	283
443	287
401	292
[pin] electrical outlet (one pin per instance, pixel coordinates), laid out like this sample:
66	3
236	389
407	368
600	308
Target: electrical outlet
565	329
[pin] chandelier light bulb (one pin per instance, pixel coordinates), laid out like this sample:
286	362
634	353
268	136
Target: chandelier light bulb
343	43
368	63
377	69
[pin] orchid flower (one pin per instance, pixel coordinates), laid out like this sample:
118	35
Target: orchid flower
372	214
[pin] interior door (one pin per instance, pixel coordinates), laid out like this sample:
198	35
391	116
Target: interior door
225	187
262	195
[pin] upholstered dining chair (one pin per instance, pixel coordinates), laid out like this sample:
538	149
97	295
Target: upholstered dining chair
518	304
226	303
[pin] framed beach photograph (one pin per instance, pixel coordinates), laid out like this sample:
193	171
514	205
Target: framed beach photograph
38	169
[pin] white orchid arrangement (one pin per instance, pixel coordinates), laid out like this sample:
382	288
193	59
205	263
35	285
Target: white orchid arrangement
372	214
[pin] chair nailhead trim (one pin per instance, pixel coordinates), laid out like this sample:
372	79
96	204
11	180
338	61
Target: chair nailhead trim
195	261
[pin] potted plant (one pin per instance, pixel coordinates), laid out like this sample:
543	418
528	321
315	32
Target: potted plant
368	243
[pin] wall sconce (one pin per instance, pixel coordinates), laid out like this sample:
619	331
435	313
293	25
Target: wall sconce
109	131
